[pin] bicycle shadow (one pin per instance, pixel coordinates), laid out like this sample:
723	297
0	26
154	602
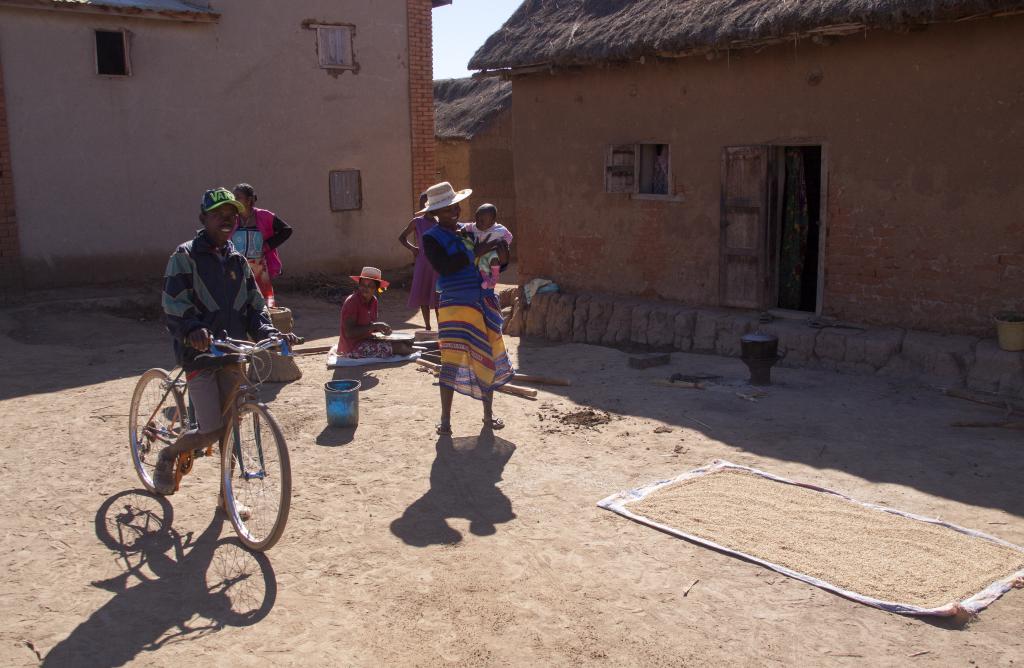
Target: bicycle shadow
463	484
175	587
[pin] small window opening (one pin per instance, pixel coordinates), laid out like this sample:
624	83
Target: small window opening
334	46
638	168
112	53
654	169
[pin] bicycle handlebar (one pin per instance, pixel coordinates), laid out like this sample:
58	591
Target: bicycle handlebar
222	347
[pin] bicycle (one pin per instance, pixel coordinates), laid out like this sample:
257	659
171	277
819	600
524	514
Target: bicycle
252	446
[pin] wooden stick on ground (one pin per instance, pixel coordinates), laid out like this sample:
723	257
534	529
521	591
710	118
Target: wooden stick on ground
542	380
1007	405
313	350
680	383
524	392
1002	425
520	377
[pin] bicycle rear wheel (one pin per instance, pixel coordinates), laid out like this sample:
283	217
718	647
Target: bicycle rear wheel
155	420
256	472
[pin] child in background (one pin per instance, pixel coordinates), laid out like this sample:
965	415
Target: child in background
257	236
423	293
487	230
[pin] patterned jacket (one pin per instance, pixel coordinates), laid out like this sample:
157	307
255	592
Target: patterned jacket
206	288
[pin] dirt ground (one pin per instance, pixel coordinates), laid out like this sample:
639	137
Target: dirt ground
403	549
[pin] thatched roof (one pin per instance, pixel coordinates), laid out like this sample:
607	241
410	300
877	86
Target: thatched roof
574	32
464	107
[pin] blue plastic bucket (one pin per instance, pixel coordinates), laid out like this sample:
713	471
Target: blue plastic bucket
342	402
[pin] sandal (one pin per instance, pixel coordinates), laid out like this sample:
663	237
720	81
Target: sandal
163	475
494	423
444	429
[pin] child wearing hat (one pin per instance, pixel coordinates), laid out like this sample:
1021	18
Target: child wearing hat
359	319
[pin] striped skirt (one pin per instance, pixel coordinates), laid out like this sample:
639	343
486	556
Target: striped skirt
473	358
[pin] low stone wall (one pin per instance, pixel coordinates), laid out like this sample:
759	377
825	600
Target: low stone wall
949	361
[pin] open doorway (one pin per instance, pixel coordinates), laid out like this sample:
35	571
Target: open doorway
772	227
795	229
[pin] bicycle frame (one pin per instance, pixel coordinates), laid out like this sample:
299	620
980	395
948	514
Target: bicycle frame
163	435
237	449
242	392
253	462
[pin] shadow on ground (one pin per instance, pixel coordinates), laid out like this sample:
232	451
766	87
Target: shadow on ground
334	437
463	484
51	344
52	347
175	587
364	374
870	427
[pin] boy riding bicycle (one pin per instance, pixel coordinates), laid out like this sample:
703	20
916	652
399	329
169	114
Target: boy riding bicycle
209	289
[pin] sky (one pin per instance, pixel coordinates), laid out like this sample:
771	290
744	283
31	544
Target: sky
461	28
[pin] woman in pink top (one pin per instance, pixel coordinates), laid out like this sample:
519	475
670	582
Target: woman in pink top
257	236
423	293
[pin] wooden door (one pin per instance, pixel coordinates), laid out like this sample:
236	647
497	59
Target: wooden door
743	271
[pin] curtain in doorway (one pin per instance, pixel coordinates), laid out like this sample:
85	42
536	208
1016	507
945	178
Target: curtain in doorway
795	222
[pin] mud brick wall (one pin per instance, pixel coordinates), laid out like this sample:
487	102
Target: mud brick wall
421	95
923	227
491	171
937	359
452	158
911	271
10	252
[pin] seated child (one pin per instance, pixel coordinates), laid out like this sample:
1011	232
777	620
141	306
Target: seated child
359	319
487	230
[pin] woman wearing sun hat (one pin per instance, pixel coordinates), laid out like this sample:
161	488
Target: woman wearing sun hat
359	318
473	358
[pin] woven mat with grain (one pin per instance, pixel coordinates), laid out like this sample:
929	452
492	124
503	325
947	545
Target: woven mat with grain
882	557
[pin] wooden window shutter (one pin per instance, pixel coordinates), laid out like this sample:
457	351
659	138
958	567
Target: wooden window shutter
334	46
620	171
743	261
346	190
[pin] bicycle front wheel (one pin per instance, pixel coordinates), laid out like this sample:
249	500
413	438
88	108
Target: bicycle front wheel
155	420
256	477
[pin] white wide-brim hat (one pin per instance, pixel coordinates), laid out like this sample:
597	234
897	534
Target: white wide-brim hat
443	195
372	274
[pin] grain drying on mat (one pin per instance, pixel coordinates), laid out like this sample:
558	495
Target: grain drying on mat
860	549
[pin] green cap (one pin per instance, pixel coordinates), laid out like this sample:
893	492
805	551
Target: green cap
217	197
